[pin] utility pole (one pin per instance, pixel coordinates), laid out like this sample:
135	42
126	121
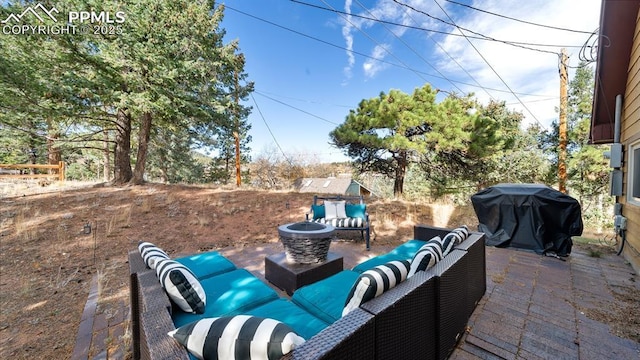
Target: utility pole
236	134
562	125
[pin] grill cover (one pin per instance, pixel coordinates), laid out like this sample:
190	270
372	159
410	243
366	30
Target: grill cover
528	216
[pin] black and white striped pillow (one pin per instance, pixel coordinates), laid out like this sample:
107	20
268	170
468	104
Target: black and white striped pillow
373	282
237	337
151	253
181	285
455	237
427	256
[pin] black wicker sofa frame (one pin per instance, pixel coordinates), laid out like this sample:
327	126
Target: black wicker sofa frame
421	318
365	229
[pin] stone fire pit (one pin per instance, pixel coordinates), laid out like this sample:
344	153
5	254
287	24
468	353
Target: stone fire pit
306	242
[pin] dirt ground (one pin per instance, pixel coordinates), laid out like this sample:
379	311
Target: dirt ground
48	256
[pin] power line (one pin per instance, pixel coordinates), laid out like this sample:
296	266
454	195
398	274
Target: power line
371	57
491	67
518	20
395	57
295	108
307	36
460	29
326	42
450	57
589	51
480	37
271	132
263	93
415	52
404	66
305	100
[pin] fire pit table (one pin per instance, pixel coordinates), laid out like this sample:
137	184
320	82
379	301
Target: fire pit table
306	258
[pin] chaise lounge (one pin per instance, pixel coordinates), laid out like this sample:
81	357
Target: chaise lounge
422	317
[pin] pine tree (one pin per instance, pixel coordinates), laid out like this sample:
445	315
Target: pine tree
388	133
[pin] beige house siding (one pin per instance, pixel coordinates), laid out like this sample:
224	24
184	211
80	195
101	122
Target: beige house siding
630	126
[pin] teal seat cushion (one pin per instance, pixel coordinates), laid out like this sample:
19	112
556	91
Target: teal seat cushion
325	299
405	251
231	293
206	265
301	321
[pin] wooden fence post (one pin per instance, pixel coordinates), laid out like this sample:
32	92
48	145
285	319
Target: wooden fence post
61	170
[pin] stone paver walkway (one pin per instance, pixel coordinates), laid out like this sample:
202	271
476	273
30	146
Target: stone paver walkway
540	307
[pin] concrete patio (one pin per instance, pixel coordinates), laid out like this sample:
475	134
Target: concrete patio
535	307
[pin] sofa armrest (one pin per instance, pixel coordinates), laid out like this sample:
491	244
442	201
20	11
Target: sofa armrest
476	268
155	343
406	319
452	305
150	315
151	321
136	264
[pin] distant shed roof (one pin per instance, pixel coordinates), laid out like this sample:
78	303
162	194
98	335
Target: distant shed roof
331	185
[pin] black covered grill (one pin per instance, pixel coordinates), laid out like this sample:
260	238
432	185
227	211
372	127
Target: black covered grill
528	216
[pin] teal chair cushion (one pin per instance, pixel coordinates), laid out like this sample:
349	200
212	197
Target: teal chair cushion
318	211
325	299
356	210
206	265
231	293
405	251
301	321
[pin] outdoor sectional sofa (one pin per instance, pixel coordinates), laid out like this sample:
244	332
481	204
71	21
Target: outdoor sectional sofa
421	318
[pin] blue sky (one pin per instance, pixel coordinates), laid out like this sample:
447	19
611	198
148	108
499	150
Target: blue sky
311	66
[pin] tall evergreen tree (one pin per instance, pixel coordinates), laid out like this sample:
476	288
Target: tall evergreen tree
387	133
587	168
489	137
167	68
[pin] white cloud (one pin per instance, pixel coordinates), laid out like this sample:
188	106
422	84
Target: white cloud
348	38
524	71
372	67
383	11
489	69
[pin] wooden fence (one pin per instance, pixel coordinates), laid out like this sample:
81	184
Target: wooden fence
60	167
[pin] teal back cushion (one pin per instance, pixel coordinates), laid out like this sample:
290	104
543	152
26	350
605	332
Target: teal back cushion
378	260
409	249
405	251
356	210
318	211
207	264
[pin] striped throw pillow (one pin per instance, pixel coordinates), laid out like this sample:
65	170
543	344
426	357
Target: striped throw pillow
427	256
181	285
237	337
455	237
151	253
372	283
